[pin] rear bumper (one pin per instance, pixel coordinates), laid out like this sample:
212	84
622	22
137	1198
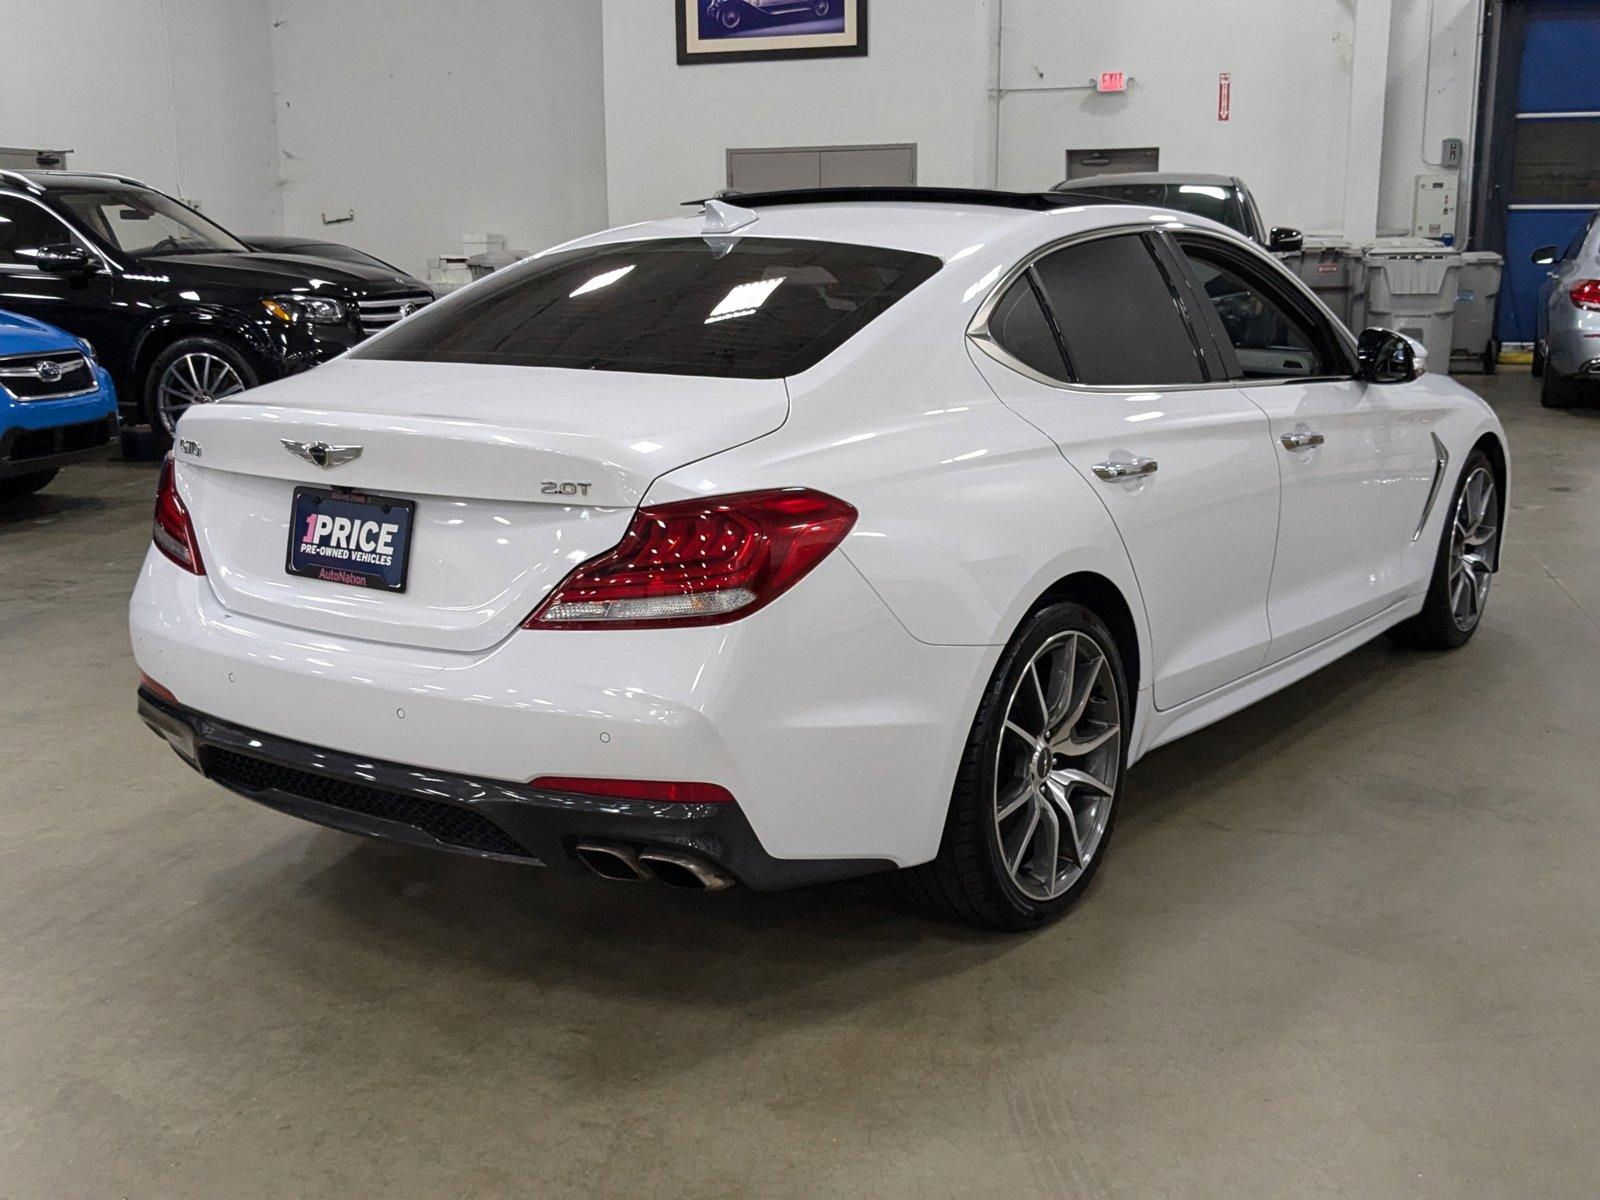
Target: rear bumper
483	818
837	733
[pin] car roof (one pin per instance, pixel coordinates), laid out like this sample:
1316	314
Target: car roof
70	181
906	219
1137	177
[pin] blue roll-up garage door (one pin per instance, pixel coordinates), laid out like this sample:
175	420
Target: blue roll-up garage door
1552	172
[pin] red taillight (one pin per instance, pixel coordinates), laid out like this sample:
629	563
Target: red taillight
1586	294
699	562
173	532
636	789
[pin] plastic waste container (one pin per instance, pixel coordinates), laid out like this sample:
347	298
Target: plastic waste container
1411	286
1476	292
1331	267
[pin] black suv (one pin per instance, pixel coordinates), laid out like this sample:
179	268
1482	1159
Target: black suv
179	310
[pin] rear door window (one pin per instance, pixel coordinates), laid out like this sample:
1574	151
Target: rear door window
1118	314
760	308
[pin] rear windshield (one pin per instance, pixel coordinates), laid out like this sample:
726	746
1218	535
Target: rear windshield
750	307
1202	199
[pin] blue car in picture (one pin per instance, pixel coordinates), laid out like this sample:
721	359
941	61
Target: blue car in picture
57	404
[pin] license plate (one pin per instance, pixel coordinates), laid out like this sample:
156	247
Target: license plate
350	538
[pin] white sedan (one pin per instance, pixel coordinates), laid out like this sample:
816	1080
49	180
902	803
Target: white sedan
826	534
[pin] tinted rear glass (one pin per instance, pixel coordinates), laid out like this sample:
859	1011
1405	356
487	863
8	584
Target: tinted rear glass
765	308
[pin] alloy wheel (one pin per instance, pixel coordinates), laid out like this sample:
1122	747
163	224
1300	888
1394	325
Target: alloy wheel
196	378
1057	763
1472	544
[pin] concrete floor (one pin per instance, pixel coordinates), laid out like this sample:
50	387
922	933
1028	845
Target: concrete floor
1348	944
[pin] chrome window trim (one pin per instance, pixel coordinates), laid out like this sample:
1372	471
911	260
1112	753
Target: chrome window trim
78	238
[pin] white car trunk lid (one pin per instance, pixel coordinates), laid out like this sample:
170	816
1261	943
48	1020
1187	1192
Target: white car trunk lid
518	474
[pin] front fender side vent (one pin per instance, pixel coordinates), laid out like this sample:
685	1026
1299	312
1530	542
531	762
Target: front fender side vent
1441	461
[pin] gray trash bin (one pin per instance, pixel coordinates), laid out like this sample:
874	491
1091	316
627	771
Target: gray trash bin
1479	286
1411	286
1331	267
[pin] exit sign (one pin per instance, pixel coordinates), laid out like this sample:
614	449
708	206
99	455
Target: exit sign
1112	81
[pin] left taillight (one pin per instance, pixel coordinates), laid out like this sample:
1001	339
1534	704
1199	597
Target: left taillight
173	531
1585	294
700	562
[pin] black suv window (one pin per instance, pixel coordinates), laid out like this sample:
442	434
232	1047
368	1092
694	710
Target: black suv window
1272	337
24	227
1118	314
760	309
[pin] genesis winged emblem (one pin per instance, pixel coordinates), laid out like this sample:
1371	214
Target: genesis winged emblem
321	454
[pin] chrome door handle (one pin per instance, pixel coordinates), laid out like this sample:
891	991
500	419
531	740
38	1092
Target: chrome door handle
1301	439
1133	469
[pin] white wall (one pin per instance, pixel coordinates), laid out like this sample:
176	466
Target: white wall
432	119
1290	62
93	76
1429	98
668	127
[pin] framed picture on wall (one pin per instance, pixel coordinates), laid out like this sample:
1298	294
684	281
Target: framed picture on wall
712	31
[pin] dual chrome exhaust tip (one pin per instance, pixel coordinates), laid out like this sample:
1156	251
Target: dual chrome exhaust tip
674	868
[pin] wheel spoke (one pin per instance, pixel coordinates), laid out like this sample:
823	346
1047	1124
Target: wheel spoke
1063	804
1031	738
1014	801
1077	745
1480	536
1046	860
194	377
1015	862
1067	776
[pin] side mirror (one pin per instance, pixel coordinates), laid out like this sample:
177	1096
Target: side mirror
1282	239
1384	356
1545	255
61	259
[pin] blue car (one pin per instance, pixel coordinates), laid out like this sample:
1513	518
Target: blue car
56	404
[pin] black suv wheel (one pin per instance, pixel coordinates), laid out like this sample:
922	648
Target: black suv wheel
193	370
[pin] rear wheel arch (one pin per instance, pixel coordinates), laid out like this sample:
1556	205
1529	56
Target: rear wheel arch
1106	600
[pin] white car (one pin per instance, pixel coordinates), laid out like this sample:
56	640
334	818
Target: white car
803	539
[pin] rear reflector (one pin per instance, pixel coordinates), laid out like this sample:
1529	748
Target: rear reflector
636	789
173	532
155	689
700	562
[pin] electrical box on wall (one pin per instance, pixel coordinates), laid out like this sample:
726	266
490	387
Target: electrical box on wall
1433	215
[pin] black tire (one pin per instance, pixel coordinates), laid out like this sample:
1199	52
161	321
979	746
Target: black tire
19	486
1435	627
229	353
968	880
1491	357
1557	390
1538	360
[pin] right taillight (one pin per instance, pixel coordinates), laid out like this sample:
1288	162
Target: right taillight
700	562
173	532
1586	294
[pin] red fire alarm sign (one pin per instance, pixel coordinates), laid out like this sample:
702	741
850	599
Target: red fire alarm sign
1224	95
1112	81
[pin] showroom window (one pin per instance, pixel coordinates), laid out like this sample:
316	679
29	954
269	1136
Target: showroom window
750	307
1116	312
25	227
1019	326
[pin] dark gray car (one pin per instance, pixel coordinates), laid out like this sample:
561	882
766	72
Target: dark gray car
1567	352
1223	198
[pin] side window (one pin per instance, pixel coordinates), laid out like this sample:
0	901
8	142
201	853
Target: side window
1020	328
24	228
1269	338
1117	314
